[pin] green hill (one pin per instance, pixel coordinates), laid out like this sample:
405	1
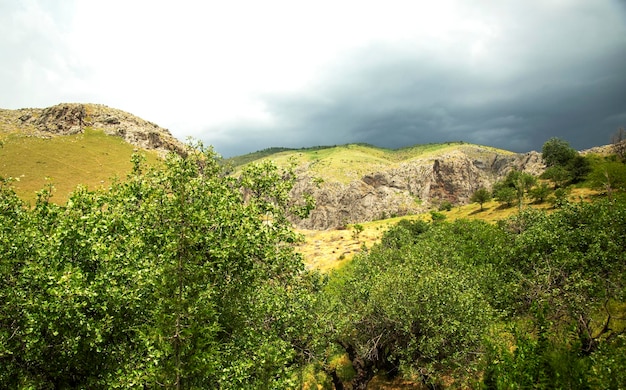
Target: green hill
344	163
91	158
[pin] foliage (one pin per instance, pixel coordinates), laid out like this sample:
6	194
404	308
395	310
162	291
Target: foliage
446	205
436	216
608	365
560	197
504	194
557	152
558	175
183	277
357	229
578	168
514	186
563	162
411	304
177	277
618	140
608	176
540	193
481	196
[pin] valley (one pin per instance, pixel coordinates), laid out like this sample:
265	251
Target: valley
122	268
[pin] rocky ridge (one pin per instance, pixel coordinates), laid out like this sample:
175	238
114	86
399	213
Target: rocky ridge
73	118
406	187
411	187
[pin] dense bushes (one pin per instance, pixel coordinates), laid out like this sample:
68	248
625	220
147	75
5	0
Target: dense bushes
176	277
184	277
531	302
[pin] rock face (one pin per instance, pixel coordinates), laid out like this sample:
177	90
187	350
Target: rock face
72	118
411	187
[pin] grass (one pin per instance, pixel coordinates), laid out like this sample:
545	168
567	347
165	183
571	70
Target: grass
330	249
91	158
345	163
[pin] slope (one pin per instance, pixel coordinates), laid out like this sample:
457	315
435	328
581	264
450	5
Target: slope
71	144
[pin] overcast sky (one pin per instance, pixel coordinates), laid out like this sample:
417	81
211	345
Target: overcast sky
244	75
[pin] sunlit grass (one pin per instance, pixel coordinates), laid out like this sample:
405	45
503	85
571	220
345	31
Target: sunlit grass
330	249
91	159
346	163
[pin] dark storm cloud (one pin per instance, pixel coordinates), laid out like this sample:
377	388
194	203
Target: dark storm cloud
546	76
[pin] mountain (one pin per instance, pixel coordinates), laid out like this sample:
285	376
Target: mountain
73	118
357	183
71	144
89	144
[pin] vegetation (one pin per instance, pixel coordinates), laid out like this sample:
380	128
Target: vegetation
181	276
171	278
91	159
345	163
563	162
481	196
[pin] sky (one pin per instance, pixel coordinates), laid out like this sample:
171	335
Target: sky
244	75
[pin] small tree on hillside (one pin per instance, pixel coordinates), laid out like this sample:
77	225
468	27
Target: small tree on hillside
504	195
357	229
481	196
619	144
610	177
540	193
557	175
557	152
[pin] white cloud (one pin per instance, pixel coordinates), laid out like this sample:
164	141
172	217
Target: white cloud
218	69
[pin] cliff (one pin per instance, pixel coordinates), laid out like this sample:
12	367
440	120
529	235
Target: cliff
72	118
411	186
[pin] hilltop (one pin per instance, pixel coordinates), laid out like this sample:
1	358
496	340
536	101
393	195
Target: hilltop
74	118
359	182
71	144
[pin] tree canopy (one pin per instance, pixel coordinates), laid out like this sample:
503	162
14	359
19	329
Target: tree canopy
178	277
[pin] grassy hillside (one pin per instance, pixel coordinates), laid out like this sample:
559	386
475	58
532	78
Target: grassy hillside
345	163
92	159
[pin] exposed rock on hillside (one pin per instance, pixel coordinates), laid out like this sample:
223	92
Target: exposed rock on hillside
410	187
72	118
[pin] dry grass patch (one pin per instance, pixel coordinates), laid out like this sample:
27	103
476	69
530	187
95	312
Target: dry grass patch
329	249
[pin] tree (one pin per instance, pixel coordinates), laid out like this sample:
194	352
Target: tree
413	303
609	177
178	276
357	229
556	151
481	196
540	193
514	186
504	194
619	144
578	168
558	175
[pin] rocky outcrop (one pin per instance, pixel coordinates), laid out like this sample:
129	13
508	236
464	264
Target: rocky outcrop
73	118
410	187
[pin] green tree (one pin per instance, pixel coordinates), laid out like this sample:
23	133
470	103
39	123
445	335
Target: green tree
557	152
481	196
417	302
357	229
609	177
505	195
513	187
578	168
178	276
558	175
540	193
